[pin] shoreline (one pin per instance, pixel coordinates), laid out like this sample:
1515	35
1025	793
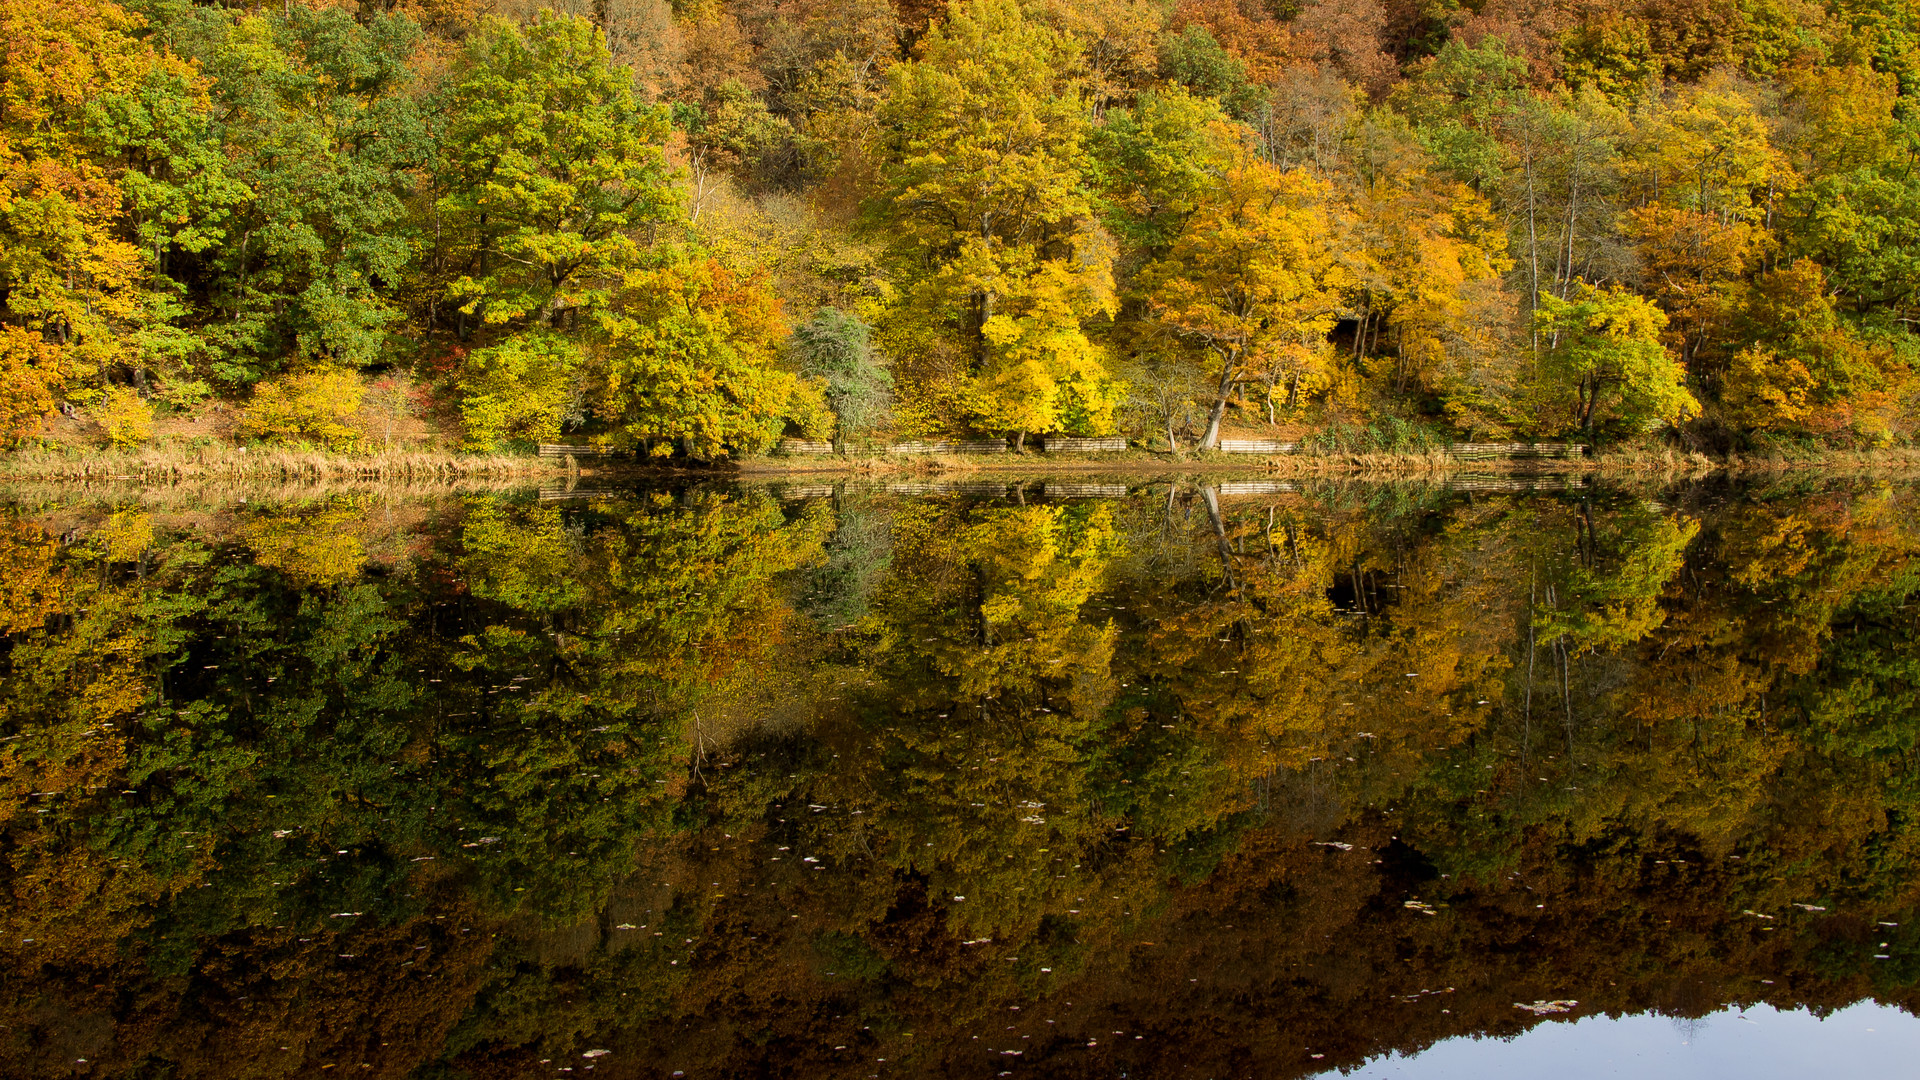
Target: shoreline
241	465
251	464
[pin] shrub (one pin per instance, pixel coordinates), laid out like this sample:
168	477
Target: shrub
125	416
310	407
184	393
835	350
524	388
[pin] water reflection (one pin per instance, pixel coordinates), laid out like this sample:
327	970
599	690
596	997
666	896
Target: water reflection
1050	778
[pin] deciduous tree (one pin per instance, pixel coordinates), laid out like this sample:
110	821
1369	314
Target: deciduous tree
554	174
1602	351
1251	280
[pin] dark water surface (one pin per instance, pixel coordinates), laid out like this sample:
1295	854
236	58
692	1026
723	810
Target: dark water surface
1061	779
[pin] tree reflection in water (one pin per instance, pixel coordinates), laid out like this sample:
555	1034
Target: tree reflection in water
1208	780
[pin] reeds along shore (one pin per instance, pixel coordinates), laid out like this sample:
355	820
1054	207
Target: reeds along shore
254	464
162	466
1624	462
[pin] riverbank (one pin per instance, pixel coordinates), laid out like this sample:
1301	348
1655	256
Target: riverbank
167	466
256	463
1623	462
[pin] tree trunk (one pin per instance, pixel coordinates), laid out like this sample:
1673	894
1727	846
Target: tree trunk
1211	439
1573	226
1211	496
1533	240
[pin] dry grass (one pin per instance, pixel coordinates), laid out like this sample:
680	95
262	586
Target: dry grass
1651	462
1888	462
209	494
237	463
1148	462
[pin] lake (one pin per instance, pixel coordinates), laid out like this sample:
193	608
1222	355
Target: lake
979	777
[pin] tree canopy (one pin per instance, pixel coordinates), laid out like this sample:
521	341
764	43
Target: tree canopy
1026	204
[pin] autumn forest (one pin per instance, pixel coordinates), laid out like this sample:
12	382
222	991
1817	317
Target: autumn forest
349	726
694	227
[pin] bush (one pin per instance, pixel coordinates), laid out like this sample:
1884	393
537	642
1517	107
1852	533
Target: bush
524	388
311	407
125	416
1386	435
184	393
835	350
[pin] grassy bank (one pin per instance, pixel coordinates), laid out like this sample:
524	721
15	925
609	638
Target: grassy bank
173	465
1339	463
251	463
1621	462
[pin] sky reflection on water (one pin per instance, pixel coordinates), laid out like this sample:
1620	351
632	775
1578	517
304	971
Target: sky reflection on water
1859	1042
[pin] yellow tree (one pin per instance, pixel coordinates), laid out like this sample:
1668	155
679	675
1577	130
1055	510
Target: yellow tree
1707	178
70	278
1119	43
1434	255
1251	279
982	186
1806	371
690	362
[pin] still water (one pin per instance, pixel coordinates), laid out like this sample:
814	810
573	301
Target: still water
1047	779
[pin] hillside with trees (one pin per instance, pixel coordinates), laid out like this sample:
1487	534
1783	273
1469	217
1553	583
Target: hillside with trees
693	227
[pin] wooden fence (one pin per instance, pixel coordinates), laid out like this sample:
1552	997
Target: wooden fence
560	450
806	491
560	494
1058	444
1258	487
805	446
1054	489
1257	446
1512	483
989	488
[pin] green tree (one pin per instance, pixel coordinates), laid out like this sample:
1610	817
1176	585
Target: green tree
318	115
1194	59
836	348
1602	363
554	175
1155	163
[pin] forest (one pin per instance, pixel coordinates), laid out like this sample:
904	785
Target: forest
693	227
734	783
